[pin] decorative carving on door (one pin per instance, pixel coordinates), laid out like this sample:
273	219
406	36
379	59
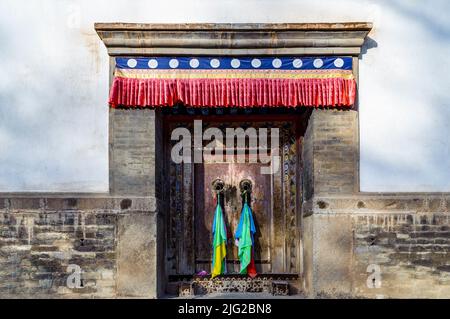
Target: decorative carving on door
274	200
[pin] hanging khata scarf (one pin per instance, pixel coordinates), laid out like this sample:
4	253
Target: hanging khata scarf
245	239
219	242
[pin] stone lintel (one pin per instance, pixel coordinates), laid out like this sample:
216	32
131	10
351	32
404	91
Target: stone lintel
234	39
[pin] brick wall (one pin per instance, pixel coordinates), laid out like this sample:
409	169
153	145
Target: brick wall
407	237
41	236
134	141
412	251
331	152
36	249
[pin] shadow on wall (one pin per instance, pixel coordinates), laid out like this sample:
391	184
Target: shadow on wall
414	10
437	27
369	43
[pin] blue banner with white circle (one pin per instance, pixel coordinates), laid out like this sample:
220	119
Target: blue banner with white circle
236	63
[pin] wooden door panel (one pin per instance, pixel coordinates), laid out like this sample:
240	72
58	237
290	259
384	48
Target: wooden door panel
231	174
274	202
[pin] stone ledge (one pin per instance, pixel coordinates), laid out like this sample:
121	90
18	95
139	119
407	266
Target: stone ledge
379	203
75	202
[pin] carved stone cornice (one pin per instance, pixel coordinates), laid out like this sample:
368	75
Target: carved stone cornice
233	39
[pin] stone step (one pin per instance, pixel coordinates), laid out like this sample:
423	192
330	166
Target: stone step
233	285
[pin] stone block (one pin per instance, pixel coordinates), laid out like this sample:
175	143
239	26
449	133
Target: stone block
137	255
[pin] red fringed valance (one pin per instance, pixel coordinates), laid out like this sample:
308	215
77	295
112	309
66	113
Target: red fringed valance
208	83
232	92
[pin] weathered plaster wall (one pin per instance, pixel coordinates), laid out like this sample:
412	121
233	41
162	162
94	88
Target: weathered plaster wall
53	116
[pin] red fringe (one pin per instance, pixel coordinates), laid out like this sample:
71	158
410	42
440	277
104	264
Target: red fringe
131	92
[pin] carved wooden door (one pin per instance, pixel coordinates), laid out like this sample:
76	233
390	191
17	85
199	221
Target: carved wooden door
260	202
275	200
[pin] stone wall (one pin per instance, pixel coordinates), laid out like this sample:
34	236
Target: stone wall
135	137
411	249
405	237
44	239
116	239
331	152
347	235
36	249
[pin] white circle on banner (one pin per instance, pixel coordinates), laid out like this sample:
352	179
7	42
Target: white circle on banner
277	63
297	63
174	63
235	63
132	63
318	63
194	63
339	63
256	63
215	63
152	63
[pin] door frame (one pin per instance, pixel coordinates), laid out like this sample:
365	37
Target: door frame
300	122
